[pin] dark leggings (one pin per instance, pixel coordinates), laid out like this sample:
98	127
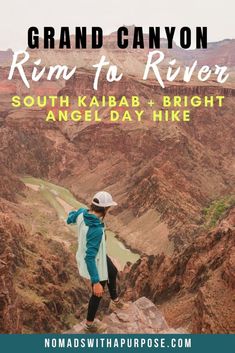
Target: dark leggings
94	300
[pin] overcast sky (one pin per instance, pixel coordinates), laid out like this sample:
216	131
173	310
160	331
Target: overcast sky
16	16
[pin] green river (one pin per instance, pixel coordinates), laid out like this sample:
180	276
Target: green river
63	201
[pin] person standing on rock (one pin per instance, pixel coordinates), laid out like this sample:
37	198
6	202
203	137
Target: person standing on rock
93	262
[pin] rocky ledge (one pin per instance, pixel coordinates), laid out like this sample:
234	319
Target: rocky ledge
141	316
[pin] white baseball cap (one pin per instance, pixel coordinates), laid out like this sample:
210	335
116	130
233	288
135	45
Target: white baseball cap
104	199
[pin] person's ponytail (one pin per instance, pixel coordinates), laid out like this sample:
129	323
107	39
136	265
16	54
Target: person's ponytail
98	209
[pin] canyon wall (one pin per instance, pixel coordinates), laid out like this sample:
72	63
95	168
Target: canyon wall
164	177
195	287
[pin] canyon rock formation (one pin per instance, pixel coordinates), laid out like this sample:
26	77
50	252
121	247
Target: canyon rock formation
141	316
40	288
173	183
195	287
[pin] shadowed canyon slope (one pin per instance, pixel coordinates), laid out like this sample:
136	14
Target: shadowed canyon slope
40	289
172	182
195	288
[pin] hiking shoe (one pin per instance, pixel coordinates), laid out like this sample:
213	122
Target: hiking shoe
118	304
95	327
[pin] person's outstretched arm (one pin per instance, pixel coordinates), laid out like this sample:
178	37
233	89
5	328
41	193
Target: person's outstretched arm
73	215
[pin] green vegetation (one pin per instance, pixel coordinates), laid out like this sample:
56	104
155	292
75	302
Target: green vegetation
69	320
30	295
217	209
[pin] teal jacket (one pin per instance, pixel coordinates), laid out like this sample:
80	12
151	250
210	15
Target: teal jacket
91	254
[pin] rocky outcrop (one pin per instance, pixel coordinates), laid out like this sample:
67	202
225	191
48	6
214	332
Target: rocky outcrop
141	316
40	290
6	57
9	300
81	82
195	287
10	185
221	53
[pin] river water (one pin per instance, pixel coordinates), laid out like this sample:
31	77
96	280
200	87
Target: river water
63	201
